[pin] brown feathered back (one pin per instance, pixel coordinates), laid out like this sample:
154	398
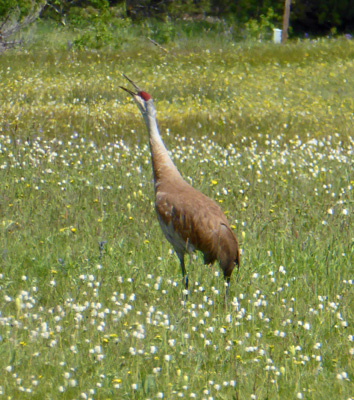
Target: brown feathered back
192	221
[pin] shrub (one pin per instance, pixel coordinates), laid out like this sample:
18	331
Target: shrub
14	16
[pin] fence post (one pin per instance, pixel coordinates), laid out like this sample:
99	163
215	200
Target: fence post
286	18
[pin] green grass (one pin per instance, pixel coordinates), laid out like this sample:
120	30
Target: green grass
90	291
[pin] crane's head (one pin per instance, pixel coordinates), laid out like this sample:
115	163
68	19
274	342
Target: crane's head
142	99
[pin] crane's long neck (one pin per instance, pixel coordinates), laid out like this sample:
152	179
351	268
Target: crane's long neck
162	165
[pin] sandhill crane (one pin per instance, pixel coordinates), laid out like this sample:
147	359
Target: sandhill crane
189	219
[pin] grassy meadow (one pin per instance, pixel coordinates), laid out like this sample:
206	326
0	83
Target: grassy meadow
91	301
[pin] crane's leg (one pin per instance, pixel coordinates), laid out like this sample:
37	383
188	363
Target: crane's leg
184	275
227	281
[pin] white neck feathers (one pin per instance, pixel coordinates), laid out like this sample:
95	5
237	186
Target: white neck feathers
163	167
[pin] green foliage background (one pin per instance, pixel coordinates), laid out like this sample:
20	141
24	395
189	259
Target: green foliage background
19	7
307	16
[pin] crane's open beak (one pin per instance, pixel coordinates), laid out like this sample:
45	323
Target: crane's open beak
132	83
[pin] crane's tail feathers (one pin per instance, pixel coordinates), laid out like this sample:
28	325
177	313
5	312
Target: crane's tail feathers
237	260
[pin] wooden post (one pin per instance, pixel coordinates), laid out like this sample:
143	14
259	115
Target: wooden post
286	17
129	7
